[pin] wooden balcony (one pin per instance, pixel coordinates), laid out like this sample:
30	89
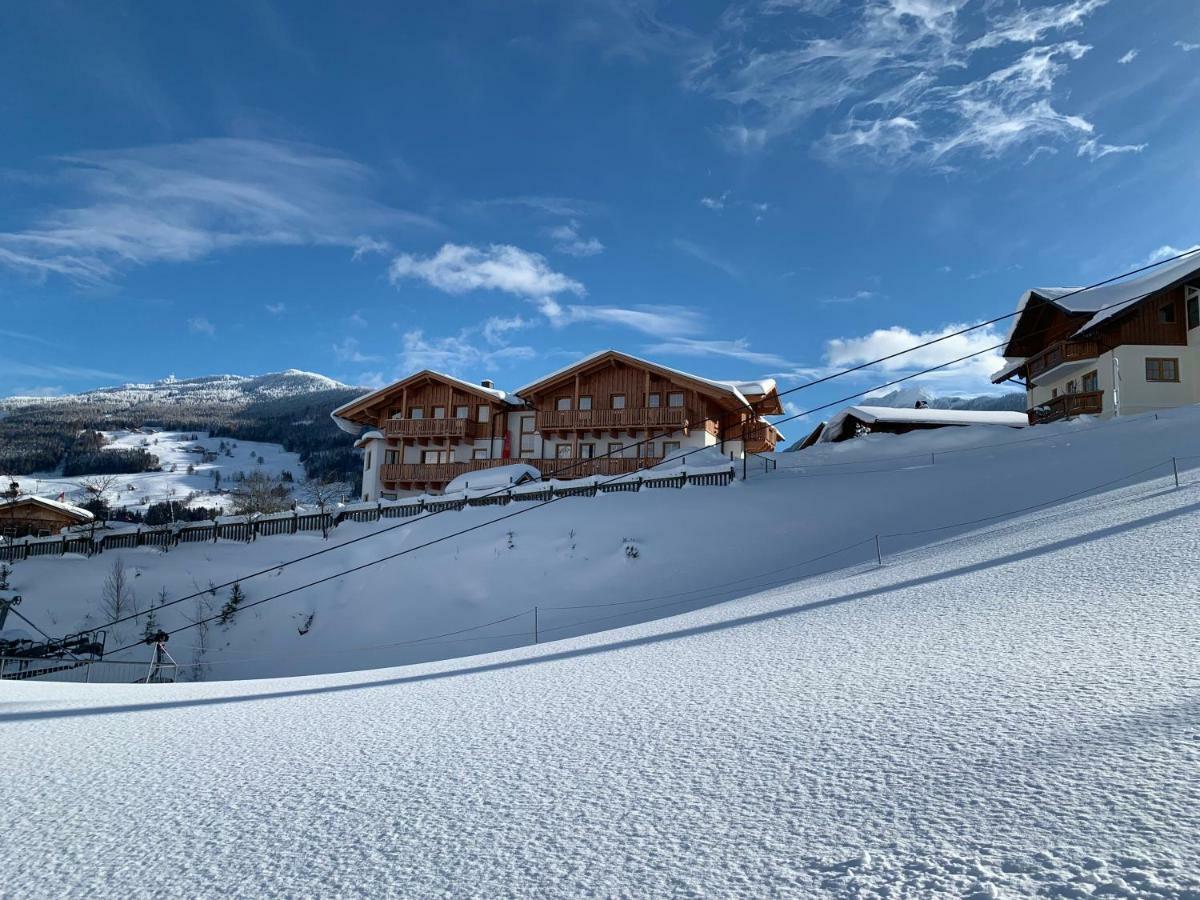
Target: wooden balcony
431	429
439	473
1060	354
614	419
1087	403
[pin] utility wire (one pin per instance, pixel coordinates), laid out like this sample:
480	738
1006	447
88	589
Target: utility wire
640	443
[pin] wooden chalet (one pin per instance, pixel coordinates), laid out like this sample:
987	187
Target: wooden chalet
31	516
608	414
1119	349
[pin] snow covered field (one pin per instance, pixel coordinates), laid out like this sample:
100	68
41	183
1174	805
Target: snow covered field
173	449
1006	709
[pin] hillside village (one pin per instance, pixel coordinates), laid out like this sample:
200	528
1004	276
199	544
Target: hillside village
614	449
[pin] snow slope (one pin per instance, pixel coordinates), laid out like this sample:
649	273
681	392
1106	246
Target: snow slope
173	448
1010	710
652	553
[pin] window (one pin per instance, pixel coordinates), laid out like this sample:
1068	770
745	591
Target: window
1072	387
614	449
563	451
432	457
390	457
617	401
368	459
480	453
461	412
653	401
562	404
1166	314
439	412
675	399
587	451
1053	393
648	449
1091	381
526	424
1193	307
1160	369
585	402
483	413
416	412
670	447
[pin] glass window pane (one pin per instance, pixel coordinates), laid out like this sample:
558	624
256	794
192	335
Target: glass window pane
618	401
675	399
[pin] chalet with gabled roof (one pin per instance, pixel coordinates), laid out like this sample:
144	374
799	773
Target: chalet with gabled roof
607	414
1118	349
31	516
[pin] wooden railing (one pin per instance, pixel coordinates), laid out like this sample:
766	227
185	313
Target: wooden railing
583	419
1057	354
438	473
1086	403
463	429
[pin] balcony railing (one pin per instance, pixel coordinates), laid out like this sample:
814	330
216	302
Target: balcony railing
422	429
440	473
1086	403
1057	354
600	419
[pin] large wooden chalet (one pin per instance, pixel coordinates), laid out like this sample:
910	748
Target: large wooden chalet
608	414
1119	349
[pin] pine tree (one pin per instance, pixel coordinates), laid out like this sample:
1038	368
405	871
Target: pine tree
151	627
229	610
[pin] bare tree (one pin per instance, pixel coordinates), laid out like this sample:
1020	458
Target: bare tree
97	488
116	597
322	494
260	493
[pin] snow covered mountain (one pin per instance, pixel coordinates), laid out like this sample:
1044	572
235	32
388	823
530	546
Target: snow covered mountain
206	389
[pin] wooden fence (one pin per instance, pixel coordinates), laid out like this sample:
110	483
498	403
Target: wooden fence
251	529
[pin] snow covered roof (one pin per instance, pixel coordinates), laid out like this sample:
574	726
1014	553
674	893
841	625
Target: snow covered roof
729	388
46	503
351	427
493	479
760	386
372	435
903	416
1108	300
1009	370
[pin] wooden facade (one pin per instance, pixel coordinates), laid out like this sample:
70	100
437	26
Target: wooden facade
33	516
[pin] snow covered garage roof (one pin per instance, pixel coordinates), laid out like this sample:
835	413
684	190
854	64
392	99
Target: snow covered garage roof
929	417
66	508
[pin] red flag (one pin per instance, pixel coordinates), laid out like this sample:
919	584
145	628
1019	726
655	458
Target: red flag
507	452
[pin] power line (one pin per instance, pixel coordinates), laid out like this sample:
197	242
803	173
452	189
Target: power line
637	444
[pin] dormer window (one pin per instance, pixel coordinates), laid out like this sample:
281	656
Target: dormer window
1192	294
1166	314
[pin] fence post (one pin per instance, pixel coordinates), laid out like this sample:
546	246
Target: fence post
1175	469
535	624
931	459
878	555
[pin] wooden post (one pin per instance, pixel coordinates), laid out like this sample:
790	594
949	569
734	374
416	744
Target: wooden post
878	555
535	624
1175	469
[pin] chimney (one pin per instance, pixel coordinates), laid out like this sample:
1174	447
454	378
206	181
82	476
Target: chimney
487	383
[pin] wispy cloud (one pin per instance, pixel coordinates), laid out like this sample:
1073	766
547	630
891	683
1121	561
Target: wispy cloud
51	371
716	203
568	240
459	269
201	325
972	374
706	256
30	338
1166	251
182	202
347	350
456	354
1128	57
657	321
887	76
276	309
1094	150
1187	47
736	349
856	297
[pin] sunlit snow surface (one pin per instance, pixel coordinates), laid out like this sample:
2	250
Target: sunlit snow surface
1010	712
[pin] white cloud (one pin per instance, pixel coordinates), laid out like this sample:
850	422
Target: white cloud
1094	150
1129	56
694	250
182	202
715	203
658	321
1186	47
972	374
356	319
364	246
735	349
856	297
1166	251
347	351
276	309
458	269
201	325
496	329
456	355
568	240
888	76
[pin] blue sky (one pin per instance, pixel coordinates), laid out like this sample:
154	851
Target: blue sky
491	189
